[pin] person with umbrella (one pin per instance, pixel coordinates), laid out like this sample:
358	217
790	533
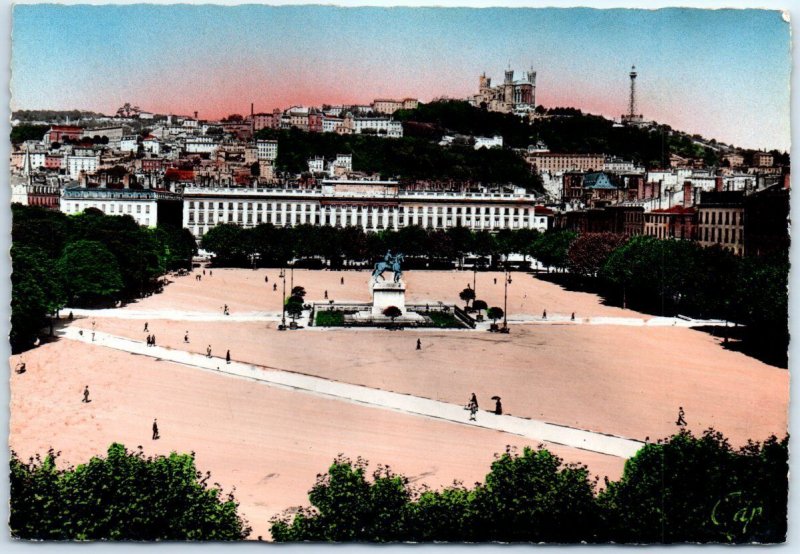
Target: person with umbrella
498	407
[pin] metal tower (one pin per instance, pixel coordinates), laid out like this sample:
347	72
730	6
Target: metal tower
632	104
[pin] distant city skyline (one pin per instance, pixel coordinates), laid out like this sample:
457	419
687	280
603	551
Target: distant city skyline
720	73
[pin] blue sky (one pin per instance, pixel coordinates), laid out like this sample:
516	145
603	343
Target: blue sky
722	73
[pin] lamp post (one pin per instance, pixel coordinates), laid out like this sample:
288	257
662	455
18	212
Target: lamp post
507	279
474	275
291	287
283	300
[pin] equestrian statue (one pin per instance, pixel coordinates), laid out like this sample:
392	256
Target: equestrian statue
389	262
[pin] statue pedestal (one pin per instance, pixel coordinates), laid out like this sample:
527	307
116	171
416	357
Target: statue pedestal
387	293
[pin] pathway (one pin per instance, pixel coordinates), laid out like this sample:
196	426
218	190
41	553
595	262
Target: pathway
405	403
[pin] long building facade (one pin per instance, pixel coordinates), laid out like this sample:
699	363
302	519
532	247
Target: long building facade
370	205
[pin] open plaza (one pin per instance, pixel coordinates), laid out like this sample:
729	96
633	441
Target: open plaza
592	389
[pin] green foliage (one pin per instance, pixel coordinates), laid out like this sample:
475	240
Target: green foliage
348	507
294	309
329	318
228	242
36	292
684	489
392	312
467	295
700	490
479	305
408	157
552	248
589	251
444	320
21	133
90	273
533	498
124	496
299	292
494	313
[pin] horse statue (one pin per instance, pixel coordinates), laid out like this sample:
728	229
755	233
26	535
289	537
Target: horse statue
390	262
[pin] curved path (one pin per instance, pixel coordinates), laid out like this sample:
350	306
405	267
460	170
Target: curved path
529	428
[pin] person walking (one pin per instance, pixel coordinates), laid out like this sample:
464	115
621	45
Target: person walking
147	340
572	318
86	395
208	351
186	338
473	410
153	340
498	407
473	400
274	287
341	281
92	336
71	317
225	309
266	278
228	357
145	327
210	272
681	421
419	344
204	272
544	314
156	435
326	295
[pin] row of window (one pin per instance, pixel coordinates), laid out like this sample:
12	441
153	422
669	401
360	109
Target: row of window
402	209
715	218
75	207
717	235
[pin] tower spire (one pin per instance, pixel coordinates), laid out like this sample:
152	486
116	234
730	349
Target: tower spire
632	103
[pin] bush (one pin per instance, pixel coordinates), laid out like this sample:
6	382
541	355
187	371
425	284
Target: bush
124	496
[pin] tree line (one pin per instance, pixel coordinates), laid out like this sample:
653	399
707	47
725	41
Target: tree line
84	260
432	248
410	157
682	489
671	277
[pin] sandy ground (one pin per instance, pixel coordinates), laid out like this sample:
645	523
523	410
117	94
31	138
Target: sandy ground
271	443
268	443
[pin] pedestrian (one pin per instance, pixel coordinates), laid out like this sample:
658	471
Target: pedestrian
86	395
274	287
495	280
145	327
341	282
228	357
498	408
572	318
148	340
681	421
186	337
419	344
210	272
156	436
473	400
225	309
153	340
326	295
544	314
473	409
266	278
71	317
80	332
208	351
204	272
21	367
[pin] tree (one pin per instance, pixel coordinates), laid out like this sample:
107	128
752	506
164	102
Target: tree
551	248
294	308
480	305
467	295
228	242
348	507
299	292
392	312
495	313
699	489
89	273
124	496
36	293
589	251
21	133
533	497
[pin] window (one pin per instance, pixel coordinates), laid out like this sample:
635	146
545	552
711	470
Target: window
147	209
138	208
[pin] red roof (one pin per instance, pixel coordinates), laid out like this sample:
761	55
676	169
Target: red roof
542	210
72	128
150	137
675	210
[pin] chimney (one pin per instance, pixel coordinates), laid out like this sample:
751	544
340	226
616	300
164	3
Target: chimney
688	196
718	184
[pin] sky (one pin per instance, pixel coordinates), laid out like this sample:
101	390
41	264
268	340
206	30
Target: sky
723	74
